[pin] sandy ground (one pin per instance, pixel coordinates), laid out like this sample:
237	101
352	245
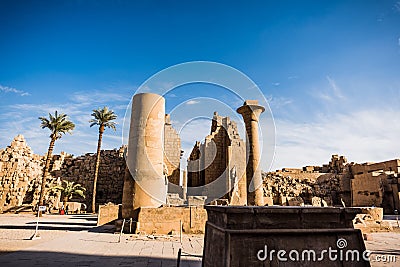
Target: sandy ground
74	240
17	229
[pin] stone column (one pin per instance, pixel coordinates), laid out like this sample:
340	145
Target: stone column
145	151
184	185
251	112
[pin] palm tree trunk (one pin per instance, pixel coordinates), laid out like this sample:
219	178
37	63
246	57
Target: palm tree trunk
46	170
96	170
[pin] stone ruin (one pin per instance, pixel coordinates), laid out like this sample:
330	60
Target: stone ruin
20	173
233	232
376	184
222	154
312	185
338	183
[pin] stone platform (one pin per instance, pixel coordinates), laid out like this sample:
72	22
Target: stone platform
167	220
282	236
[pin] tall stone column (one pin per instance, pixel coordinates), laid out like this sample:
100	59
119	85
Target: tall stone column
184	185
251	112
145	153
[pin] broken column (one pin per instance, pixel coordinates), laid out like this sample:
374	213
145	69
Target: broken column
251	112
145	153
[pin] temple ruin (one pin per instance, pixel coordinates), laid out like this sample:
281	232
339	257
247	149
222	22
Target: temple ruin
222	155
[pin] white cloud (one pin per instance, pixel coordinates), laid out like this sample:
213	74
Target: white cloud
276	84
278	102
397	6
95	97
7	89
192	102
336	90
331	94
368	135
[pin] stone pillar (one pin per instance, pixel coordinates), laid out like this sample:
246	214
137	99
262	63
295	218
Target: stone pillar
145	152
251	112
184	185
128	195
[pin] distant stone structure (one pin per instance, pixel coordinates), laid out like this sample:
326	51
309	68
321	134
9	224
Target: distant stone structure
337	183
330	183
222	155
376	184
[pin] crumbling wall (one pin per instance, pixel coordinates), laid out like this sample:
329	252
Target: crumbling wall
376	184
195	177
172	151
330	183
20	174
222	155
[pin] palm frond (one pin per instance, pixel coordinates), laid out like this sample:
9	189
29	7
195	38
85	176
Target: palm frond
57	187
69	189
103	116
57	124
79	193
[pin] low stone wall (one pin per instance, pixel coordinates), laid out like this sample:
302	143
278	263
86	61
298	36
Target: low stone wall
107	213
166	220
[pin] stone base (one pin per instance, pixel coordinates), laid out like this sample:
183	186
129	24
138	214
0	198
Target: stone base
167	220
108	213
256	236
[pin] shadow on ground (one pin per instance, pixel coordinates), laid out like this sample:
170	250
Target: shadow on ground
65	223
43	258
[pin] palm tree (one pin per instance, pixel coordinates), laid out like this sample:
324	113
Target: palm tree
103	118
69	190
58	125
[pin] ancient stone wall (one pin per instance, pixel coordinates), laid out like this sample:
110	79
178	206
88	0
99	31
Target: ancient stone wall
291	186
172	151
167	220
223	154
110	179
376	184
195	176
20	174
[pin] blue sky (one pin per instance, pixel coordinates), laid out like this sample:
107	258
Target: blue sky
330	69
